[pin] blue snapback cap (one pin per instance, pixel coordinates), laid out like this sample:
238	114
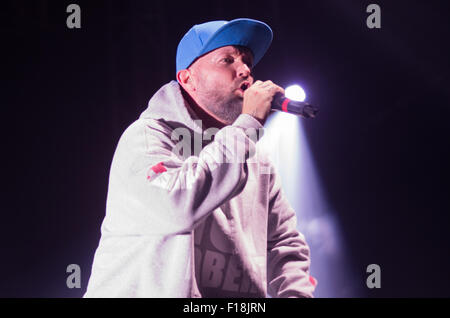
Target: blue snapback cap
208	36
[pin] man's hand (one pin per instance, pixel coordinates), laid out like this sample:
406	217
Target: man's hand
258	98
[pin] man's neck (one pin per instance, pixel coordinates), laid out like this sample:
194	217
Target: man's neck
208	121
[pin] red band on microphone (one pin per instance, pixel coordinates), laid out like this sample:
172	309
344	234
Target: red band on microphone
285	104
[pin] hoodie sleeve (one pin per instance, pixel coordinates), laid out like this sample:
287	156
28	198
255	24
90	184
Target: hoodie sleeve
153	190
288	257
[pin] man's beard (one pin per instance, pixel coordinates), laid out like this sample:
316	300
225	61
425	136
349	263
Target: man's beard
227	108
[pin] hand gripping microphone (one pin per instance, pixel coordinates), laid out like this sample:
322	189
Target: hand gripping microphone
284	104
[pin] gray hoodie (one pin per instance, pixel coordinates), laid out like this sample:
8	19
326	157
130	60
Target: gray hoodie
195	215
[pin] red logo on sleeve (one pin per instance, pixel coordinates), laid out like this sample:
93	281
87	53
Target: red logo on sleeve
156	169
313	281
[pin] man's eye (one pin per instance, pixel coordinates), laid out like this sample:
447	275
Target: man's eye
227	60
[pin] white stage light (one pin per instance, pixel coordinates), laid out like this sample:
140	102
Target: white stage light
295	92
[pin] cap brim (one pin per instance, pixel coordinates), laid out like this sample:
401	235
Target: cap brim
253	34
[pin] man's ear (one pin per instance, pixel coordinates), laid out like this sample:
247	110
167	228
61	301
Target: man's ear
184	77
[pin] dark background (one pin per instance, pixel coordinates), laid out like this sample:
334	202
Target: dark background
380	144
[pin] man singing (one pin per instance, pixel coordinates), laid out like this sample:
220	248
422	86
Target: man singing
209	218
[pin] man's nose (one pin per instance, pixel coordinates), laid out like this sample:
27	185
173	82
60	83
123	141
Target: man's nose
244	70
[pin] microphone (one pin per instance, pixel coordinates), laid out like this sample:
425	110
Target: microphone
284	104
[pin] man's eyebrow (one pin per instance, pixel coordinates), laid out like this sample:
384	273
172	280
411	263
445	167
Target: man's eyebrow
229	52
246	54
